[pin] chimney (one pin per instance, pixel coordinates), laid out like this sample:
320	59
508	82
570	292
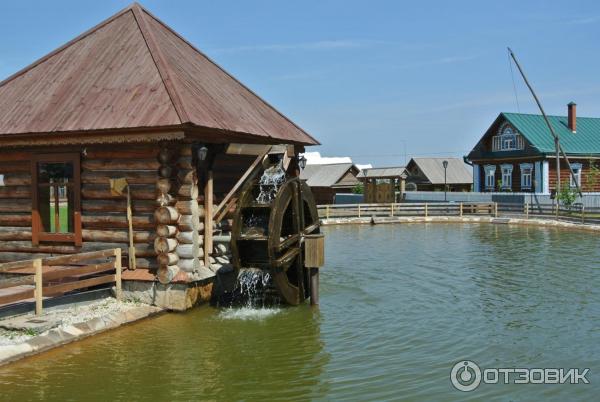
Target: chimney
572	116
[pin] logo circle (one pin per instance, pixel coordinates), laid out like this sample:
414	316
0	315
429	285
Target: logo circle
465	375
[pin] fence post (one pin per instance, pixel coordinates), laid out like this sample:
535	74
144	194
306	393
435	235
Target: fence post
327	212
583	214
461	209
526	210
359	210
37	265
426	212
495	210
118	269
392	209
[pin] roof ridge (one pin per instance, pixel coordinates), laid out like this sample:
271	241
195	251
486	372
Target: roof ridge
141	8
548	115
159	62
68	44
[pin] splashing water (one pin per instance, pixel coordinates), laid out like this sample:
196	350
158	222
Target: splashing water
272	178
251	286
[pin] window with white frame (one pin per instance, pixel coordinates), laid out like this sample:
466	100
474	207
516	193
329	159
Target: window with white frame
490	177
526	175
577	171
506	176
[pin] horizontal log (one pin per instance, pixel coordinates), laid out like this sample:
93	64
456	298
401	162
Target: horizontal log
14	297
188	238
163	245
17	281
118	206
17	179
16	166
120	164
15	191
79	271
146	263
8	258
14	233
140	151
166	215
140	222
186	176
185	224
95	177
164	185
116	236
143	250
185	162
188	251
167	259
167	155
166	171
166	230
189	191
15	205
190	264
185	207
165	199
102	192
15	220
166	274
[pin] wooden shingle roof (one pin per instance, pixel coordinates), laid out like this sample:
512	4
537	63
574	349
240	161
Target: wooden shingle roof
134	72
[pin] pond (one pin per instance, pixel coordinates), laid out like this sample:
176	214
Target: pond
400	305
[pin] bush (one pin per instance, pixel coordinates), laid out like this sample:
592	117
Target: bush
358	189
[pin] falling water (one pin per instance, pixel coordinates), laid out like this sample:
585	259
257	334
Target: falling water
252	287
272	178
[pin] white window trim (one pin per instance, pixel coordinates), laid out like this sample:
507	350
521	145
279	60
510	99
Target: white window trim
523	167
490	169
577	169
509	167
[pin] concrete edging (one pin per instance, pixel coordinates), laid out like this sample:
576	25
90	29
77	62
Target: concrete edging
458	219
61	336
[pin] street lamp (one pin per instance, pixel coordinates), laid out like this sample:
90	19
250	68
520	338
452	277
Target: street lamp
445	164
302	161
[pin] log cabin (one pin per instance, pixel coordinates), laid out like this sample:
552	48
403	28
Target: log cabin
129	100
517	153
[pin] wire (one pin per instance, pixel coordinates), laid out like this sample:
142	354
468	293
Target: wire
512	75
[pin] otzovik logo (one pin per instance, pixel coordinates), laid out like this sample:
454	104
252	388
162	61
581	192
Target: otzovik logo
465	375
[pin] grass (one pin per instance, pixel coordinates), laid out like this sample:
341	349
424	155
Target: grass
63	212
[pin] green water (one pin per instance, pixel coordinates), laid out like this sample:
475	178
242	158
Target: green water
400	304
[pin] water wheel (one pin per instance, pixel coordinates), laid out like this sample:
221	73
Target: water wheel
270	235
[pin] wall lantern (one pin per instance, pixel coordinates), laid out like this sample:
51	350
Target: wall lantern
201	153
302	161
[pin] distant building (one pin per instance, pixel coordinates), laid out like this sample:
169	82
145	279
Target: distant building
327	180
427	174
381	184
517	153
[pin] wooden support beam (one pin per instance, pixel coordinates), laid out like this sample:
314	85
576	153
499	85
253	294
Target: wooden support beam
208	217
37	265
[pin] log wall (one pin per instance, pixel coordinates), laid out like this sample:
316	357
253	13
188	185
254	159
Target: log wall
104	219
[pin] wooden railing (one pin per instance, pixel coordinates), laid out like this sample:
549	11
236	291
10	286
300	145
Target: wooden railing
576	213
407	209
98	268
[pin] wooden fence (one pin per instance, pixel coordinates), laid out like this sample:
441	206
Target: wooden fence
57	275
577	213
407	209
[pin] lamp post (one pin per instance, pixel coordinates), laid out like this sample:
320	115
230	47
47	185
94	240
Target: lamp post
302	162
445	164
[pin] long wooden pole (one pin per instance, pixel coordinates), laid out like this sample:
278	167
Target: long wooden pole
208	217
132	261
37	265
557	145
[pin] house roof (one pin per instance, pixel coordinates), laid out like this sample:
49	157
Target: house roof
324	175
533	127
134	72
433	168
383	172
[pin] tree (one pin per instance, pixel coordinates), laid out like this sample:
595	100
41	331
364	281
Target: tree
358	189
567	196
592	176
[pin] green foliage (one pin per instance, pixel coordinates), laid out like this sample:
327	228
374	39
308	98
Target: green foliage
358	189
592	176
567	196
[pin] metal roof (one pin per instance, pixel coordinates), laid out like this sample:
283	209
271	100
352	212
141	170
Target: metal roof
383	172
134	72
585	141
325	175
433	168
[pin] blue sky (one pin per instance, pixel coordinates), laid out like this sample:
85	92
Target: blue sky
367	78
